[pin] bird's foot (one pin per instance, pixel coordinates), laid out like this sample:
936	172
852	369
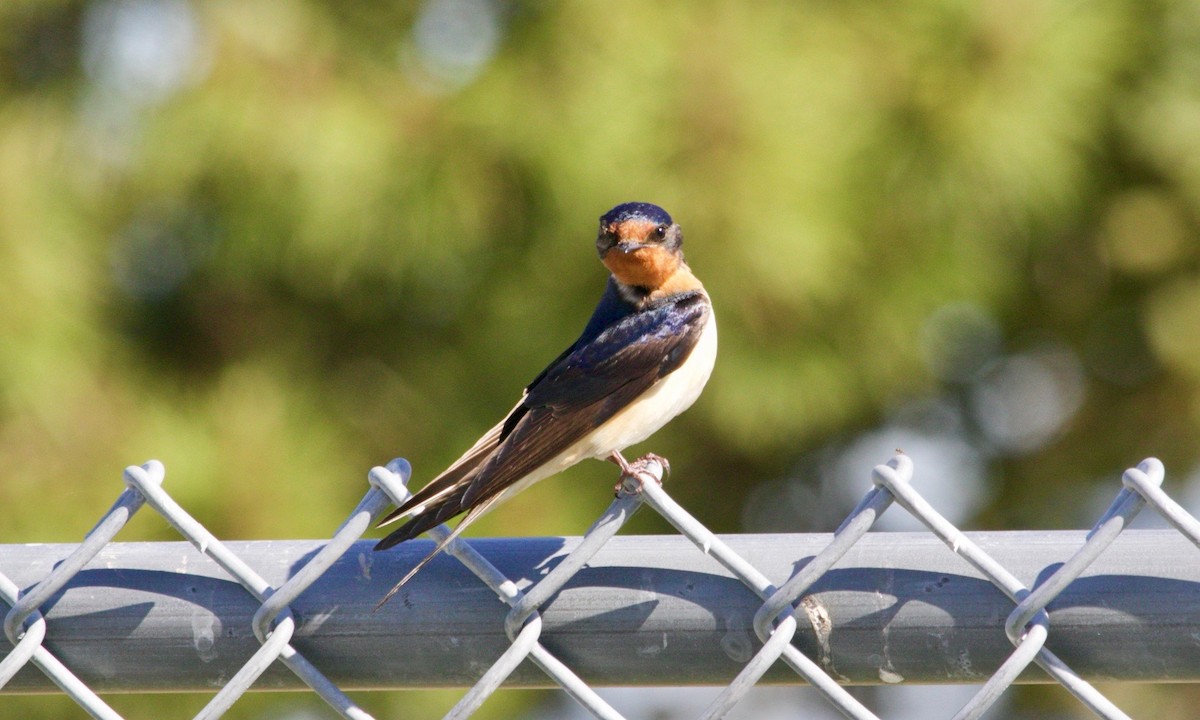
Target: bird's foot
648	458
635	475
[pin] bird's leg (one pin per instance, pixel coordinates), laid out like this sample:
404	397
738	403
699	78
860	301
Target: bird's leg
616	458
627	471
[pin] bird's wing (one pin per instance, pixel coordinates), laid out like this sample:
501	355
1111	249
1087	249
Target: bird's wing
590	385
445	483
453	477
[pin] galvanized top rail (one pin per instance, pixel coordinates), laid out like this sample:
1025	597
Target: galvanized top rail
848	608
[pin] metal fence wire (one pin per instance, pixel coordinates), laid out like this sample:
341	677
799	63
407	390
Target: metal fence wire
794	621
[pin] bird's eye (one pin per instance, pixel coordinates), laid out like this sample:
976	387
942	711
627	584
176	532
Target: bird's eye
660	232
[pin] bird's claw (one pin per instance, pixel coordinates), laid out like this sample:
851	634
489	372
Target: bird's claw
646	459
635	474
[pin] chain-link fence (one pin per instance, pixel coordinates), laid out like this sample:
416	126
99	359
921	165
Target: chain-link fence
597	610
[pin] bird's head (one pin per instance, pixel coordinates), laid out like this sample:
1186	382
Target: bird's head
640	245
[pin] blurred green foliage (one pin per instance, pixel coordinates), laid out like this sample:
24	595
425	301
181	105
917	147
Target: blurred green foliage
275	243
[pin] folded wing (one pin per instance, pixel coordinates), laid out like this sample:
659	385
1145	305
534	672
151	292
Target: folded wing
588	384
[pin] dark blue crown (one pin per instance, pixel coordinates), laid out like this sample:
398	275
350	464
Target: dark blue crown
636	210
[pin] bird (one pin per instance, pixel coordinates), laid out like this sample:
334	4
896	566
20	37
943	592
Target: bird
643	358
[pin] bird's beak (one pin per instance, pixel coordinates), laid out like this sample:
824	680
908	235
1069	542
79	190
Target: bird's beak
628	246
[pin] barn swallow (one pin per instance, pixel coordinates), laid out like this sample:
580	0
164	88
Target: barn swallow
643	358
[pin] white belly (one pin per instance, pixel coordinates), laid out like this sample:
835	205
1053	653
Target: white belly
661	402
654	408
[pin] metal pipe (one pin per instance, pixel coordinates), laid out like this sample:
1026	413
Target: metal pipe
647	610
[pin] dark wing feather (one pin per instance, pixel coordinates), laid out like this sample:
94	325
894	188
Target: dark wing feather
591	385
601	373
443	484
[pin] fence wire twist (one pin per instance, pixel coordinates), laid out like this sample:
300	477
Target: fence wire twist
782	612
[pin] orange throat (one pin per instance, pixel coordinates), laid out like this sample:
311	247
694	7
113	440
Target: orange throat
649	268
660	275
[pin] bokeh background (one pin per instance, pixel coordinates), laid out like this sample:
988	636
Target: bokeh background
275	242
